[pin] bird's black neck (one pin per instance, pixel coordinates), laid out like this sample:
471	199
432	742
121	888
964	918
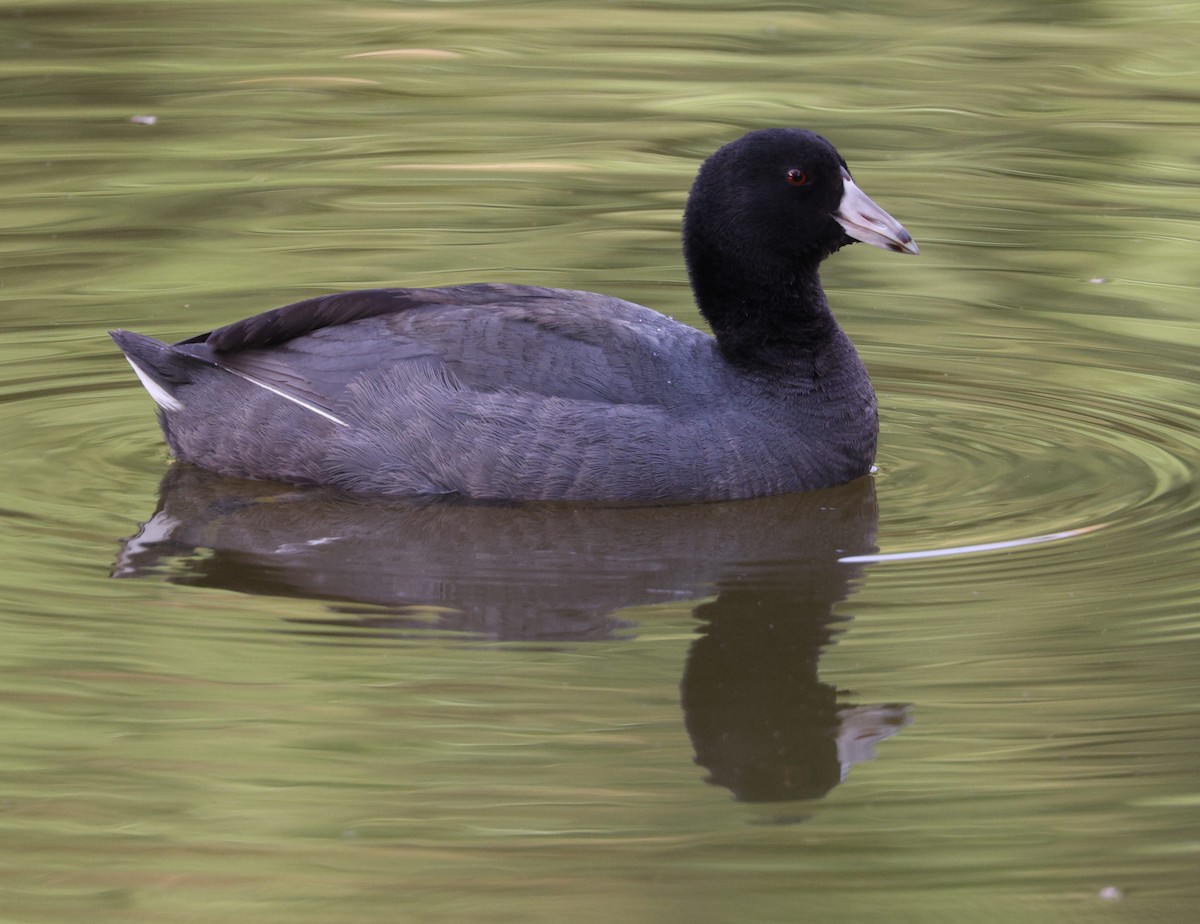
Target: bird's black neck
776	319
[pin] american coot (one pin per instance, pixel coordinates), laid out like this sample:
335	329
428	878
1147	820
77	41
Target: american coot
518	392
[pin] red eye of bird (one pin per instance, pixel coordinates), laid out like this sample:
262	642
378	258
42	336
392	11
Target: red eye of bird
797	177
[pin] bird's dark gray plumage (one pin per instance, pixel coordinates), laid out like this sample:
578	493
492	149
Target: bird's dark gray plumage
518	392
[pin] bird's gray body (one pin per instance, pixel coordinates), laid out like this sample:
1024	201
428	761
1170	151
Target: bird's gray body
503	391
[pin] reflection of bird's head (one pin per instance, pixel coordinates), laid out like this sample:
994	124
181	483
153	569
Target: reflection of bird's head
760	718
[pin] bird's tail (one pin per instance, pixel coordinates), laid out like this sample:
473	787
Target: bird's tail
161	367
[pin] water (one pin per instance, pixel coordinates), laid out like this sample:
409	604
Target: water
264	705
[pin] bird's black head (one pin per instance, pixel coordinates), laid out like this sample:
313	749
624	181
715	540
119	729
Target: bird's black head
767	208
763	213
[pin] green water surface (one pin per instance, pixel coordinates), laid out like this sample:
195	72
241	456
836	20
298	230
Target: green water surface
963	689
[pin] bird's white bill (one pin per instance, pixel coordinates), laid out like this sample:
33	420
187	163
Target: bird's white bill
865	221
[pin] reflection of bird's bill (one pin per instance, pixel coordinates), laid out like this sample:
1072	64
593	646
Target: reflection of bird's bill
863	727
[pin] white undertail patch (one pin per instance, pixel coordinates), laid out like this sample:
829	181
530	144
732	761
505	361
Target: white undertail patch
162	397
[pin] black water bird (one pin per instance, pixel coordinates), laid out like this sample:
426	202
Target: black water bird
513	392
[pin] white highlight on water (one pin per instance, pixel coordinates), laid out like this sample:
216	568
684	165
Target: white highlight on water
973	549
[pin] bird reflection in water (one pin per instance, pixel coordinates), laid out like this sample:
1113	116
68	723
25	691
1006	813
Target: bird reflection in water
768	574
